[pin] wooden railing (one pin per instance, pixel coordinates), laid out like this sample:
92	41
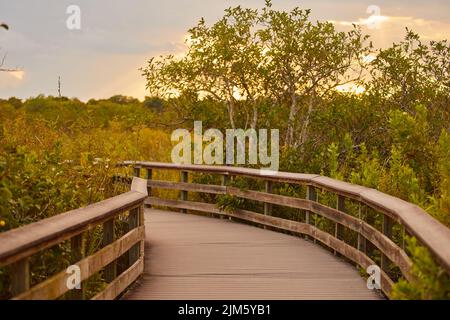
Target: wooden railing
409	217
18	245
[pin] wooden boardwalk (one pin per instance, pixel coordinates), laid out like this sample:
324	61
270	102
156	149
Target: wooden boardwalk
195	257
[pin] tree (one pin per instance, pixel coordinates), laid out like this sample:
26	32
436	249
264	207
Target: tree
412	71
154	103
249	56
222	61
307	60
120	99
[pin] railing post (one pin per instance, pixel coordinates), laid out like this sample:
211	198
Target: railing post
136	219
361	239
141	223
110	271
339	228
268	206
224	183
20	277
137	172
225	179
77	254
149	177
387	231
311	195
183	193
133	222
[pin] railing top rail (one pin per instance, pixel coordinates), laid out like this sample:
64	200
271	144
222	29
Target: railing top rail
24	241
275	175
431	233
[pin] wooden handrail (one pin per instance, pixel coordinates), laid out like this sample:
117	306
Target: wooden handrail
417	222
17	245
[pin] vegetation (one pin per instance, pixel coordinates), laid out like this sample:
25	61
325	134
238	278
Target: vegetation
375	117
58	154
277	69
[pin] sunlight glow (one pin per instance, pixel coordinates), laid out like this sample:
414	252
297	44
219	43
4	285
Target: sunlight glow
19	74
351	88
368	58
373	20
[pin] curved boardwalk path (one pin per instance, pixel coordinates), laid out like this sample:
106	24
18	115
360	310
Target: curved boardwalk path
196	257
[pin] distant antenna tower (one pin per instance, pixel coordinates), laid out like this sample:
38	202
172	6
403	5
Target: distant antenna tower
59	87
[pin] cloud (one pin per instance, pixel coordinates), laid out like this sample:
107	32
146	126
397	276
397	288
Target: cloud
373	21
19	74
387	29
117	37
11	79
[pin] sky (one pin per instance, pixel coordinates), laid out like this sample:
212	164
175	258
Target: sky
117	37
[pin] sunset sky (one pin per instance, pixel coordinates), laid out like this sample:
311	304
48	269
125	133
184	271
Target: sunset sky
117	37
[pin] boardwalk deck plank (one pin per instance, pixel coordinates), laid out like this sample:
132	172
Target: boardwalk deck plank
195	257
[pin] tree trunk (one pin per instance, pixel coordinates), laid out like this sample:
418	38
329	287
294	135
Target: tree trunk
255	118
290	125
230	105
304	133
